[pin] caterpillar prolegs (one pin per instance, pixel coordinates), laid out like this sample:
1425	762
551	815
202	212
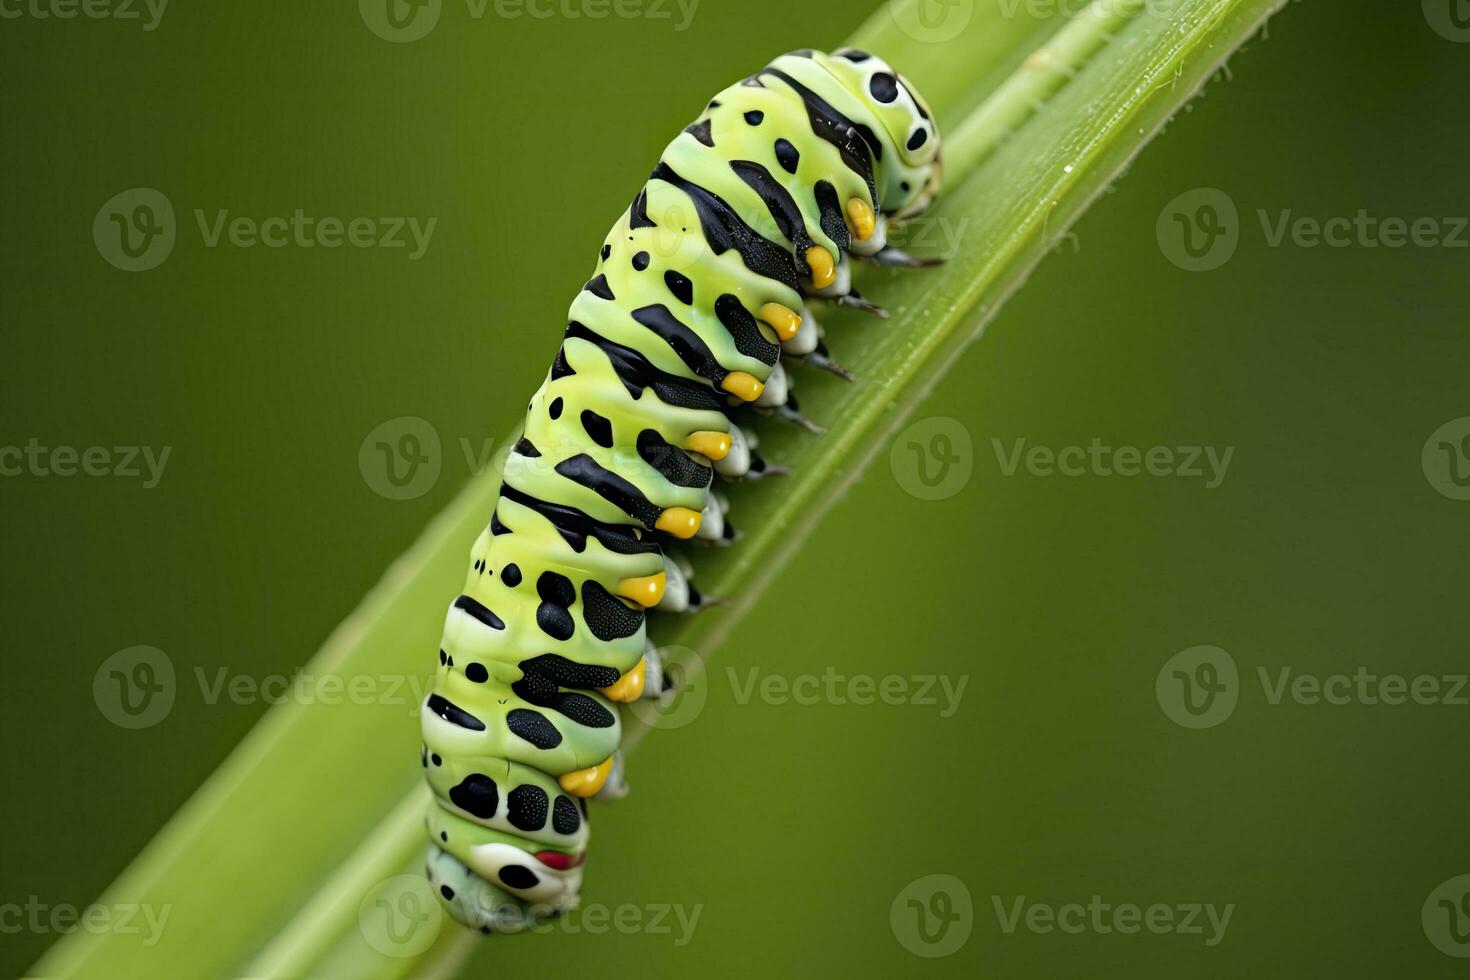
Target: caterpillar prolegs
698	290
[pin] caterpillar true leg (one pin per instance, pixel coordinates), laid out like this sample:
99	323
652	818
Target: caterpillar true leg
755	211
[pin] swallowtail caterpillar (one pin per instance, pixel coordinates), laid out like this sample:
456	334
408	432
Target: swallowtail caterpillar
751	214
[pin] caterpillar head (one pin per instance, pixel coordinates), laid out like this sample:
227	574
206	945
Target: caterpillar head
907	122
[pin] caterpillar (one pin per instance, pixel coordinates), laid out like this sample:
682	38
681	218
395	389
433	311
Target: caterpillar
698	290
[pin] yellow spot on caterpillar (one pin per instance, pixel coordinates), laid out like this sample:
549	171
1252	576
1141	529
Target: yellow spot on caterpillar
824	270
681	522
783	319
715	445
860	216
586	782
646	591
743	386
629	687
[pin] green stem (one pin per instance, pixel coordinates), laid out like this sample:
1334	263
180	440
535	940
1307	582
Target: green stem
1050	67
332	908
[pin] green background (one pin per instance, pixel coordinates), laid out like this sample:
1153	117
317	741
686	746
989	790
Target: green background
794	827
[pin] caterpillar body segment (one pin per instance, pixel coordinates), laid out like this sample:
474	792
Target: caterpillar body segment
753	212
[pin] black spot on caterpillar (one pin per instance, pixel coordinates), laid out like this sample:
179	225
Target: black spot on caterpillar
700	131
534	728
476	794
479	612
527	807
598	428
680	286
598	286
454	714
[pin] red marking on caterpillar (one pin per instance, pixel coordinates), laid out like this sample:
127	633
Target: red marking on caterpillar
560	860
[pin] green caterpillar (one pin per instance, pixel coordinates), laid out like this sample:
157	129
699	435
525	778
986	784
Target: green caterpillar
698	290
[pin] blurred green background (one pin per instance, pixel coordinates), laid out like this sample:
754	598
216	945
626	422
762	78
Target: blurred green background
1056	601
